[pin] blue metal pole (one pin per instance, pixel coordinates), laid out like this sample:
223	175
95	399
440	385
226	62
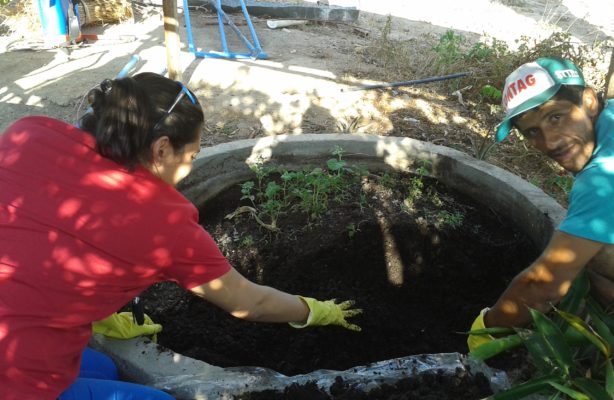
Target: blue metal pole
252	31
188	26
221	26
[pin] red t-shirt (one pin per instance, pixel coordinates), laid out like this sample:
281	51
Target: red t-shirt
79	237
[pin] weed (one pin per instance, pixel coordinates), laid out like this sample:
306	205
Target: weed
349	125
452	219
362	201
436	200
424	168
388	180
416	184
414	192
351	230
247	189
448	50
482	147
247	241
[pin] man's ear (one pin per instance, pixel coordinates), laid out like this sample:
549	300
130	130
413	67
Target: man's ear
160	148
590	102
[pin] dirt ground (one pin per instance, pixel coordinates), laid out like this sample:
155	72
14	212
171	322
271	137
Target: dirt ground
303	85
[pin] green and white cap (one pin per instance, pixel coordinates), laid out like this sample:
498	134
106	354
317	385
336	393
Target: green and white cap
532	84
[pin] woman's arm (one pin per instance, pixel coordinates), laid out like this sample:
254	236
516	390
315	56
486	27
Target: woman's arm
244	299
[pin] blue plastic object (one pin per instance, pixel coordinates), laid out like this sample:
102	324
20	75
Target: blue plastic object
254	48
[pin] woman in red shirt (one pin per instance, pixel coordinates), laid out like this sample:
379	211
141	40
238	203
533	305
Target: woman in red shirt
90	217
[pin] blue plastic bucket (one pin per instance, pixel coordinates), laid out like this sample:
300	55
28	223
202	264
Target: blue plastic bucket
53	15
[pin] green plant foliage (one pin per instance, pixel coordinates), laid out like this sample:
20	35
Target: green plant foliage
482	147
491	92
277	192
414	192
351	230
349	125
446	218
571	349
449	49
488	61
247	241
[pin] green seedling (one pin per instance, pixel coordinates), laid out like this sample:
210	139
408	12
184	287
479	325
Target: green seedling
445	218
414	192
247	241
308	191
351	230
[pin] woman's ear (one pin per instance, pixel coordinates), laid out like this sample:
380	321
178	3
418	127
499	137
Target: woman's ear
590	102
160	148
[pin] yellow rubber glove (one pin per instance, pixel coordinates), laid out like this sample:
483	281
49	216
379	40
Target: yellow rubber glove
329	313
122	326
475	341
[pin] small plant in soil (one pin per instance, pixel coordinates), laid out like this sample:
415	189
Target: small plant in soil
279	192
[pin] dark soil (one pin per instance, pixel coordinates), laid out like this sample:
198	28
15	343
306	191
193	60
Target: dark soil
419	279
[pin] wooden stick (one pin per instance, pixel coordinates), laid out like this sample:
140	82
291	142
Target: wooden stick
171	39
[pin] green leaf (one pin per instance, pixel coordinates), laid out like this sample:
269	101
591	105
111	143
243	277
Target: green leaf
335	165
598	318
592	388
596	309
492	331
574	394
577	293
579	325
609	378
537	348
491	92
491	349
554	340
533	386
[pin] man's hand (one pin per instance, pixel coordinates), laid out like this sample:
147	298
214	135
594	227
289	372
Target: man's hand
476	340
122	326
329	313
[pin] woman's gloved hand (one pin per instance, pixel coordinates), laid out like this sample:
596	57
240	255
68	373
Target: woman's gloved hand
329	313
122	326
476	340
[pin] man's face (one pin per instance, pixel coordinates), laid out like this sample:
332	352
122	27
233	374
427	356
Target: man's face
562	130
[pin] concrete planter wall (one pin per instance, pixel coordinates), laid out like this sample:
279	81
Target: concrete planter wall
222	166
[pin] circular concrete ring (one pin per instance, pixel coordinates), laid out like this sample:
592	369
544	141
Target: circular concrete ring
219	167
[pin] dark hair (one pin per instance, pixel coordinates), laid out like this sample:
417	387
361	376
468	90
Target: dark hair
571	93
129	114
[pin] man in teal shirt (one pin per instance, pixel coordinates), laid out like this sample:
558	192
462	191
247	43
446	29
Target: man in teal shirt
548	102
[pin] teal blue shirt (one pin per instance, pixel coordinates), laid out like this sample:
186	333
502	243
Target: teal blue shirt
591	202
